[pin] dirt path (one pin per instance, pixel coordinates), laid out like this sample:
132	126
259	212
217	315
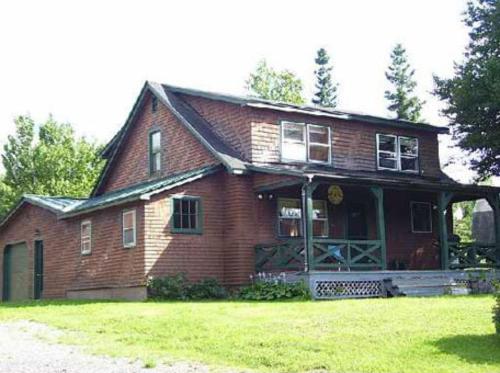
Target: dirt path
28	347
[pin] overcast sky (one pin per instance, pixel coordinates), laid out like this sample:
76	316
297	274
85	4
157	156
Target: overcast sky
85	61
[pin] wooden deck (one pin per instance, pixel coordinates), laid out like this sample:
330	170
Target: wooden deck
359	284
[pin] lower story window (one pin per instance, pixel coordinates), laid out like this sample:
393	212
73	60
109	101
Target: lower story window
290	218
129	228
421	217
86	237
186	215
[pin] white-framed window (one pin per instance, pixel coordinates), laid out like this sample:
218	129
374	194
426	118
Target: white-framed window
86	237
290	218
154	152
421	217
397	153
129	228
302	142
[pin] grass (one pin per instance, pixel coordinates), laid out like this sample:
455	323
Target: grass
403	335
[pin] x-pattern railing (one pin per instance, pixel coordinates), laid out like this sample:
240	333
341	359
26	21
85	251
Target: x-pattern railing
347	254
472	255
287	255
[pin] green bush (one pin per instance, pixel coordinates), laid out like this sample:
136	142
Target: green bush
177	287
274	290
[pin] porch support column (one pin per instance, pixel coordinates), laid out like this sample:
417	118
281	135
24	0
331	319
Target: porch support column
494	201
308	190
444	199
378	193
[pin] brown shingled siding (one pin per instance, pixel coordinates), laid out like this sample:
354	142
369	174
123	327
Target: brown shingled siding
181	150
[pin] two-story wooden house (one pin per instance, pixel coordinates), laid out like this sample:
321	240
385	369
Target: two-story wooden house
222	186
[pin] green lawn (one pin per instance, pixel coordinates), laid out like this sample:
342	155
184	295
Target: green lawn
445	334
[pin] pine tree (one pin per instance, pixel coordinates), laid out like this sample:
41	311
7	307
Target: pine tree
400	74
326	94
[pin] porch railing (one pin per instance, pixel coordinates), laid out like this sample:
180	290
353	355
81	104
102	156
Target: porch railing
472	255
328	254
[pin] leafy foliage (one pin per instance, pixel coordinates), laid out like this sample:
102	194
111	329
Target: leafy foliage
462	226
326	90
47	159
177	287
269	84
496	314
270	290
472	95
400	74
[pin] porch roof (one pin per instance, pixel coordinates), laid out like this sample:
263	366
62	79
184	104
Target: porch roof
393	180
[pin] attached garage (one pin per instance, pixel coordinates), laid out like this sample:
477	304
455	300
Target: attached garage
16	273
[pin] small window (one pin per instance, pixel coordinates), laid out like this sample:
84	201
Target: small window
320	219
86	237
289	218
154	104
294	142
397	153
154	152
187	216
129	229
318	143
421	217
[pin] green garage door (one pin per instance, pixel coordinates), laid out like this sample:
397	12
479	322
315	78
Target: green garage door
16	273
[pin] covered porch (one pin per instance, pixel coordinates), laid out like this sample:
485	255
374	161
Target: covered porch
363	228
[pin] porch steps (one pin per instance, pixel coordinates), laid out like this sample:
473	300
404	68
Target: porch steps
335	285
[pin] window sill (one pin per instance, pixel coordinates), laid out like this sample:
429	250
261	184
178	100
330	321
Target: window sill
86	254
129	246
184	231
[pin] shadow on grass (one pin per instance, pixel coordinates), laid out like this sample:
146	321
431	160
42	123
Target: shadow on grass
52	303
475	349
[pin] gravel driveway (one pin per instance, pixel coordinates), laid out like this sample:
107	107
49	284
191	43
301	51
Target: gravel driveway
28	347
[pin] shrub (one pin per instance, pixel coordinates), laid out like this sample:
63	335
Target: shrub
265	290
177	287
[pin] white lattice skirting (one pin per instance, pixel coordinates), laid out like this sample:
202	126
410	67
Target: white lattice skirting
328	289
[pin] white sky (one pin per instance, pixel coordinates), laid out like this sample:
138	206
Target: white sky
85	61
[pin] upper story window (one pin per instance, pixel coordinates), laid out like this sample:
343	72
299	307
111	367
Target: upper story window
397	153
129	229
154	152
186	215
86	237
302	142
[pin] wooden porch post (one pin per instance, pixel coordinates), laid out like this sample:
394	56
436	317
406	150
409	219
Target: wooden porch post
378	193
494	201
308	211
444	199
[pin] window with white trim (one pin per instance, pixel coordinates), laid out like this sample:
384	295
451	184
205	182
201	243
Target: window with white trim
302	142
397	153
86	237
154	152
290	218
129	228
421	217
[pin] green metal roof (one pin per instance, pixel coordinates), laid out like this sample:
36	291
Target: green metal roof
140	191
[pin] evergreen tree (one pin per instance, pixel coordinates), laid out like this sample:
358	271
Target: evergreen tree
269	84
472	95
326	94
401	99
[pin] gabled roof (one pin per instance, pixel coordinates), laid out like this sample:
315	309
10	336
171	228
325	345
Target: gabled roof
141	191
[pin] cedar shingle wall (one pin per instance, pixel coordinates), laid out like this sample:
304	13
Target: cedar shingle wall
109	264
181	151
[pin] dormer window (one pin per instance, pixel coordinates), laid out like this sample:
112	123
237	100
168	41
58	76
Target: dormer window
154	152
302	142
397	153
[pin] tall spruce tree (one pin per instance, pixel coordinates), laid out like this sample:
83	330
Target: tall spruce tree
472	95
326	89
402	101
